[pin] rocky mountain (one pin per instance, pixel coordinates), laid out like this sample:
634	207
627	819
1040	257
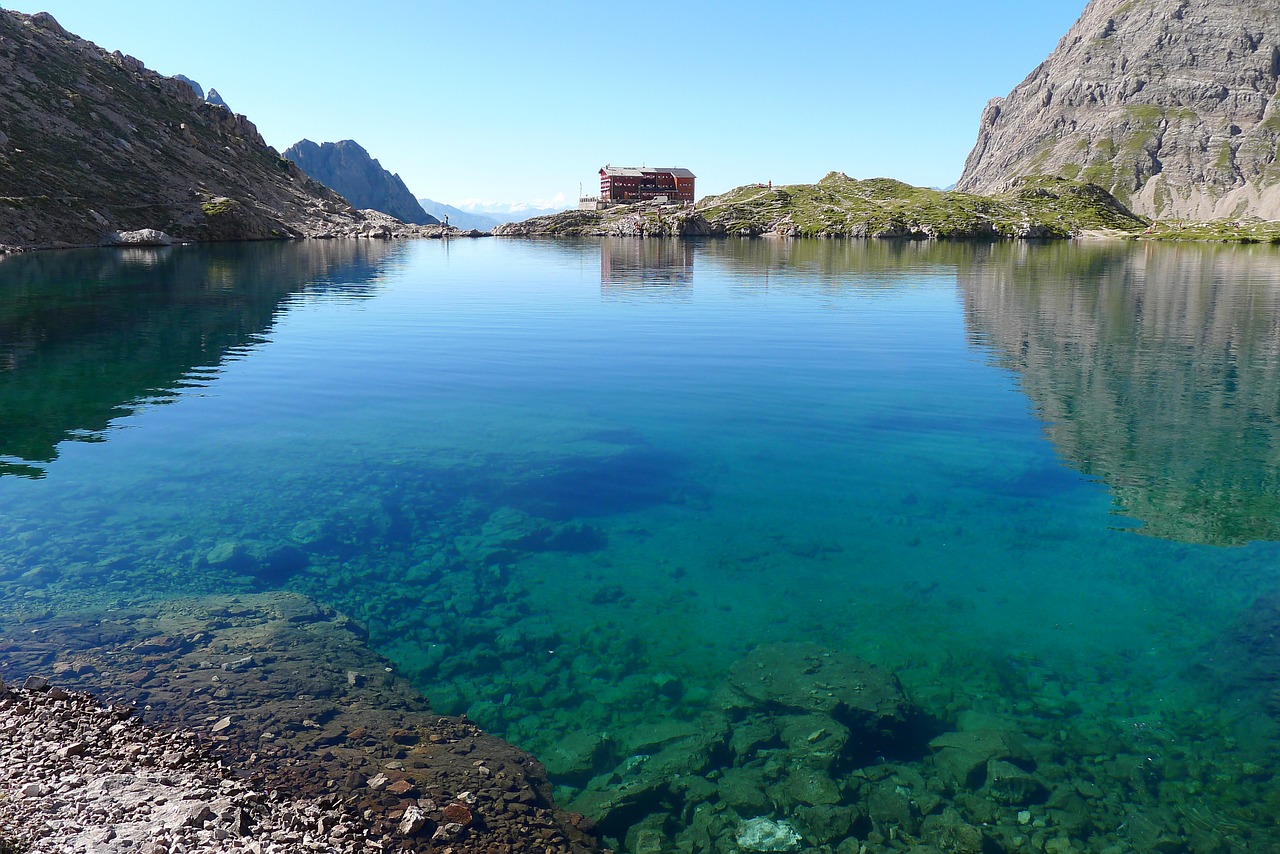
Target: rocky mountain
459	217
209	97
196	87
840	206
1169	104
348	169
93	143
214	98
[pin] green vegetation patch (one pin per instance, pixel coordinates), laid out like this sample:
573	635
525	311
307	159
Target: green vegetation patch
220	206
840	206
1217	231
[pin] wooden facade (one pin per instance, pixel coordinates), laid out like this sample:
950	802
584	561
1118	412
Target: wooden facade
627	184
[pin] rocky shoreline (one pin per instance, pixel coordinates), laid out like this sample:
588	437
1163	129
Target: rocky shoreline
372	225
256	723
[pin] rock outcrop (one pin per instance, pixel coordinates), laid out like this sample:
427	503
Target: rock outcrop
348	169
214	98
196	87
93	143
1169	104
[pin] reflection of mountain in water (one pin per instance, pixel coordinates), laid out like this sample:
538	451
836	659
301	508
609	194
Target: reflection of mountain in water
86	336
867	266
639	266
1158	370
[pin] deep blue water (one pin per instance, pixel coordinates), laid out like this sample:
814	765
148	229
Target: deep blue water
566	485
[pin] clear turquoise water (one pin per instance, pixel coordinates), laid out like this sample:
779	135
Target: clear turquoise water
566	485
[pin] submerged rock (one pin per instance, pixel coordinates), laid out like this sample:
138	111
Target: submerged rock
765	834
962	757
1009	784
804	677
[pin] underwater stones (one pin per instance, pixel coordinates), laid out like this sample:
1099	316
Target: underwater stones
311	534
606	796
649	836
1147	832
693	753
765	834
752	733
651	737
495	798
743	789
890	806
949	832
810	786
823	824
576	757
229	555
817	739
1009	784
803	677
962	757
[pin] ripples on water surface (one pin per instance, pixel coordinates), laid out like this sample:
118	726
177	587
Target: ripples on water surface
567	486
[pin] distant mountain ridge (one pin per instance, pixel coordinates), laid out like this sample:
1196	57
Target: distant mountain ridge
458	217
346	168
512	211
1169	104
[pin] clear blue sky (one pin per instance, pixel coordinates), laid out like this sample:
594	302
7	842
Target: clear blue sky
521	101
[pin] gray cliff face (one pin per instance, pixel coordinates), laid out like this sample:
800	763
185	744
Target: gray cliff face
1169	104
196	87
348	169
93	143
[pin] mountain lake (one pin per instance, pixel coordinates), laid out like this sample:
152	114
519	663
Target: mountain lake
594	494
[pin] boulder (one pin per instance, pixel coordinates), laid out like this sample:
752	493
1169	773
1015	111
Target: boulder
765	834
743	789
141	237
1014	786
962	757
806	678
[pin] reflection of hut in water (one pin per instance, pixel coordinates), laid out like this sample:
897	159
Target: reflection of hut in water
655	267
1157	370
85	337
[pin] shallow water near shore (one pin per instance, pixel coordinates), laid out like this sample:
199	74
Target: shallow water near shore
568	485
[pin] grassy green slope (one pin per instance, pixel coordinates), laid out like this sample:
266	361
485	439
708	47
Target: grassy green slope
840	206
